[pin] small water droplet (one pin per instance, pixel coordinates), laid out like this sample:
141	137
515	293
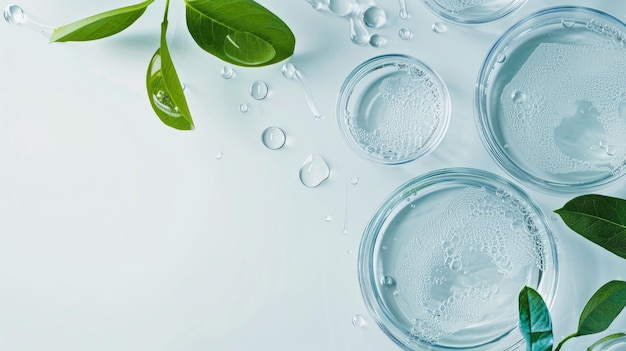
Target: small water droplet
501	58
344	231
227	72
314	171
404	14
611	150
318	4
507	146
405	34
412	206
374	17
14	14
244	108
259	90
386	281
328	218
439	27
396	293
273	138
378	41
518	97
218	155
604	143
354	180
568	23
554	217
350	251
358	321
384	247
593	148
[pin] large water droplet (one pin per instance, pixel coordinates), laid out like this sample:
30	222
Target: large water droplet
14	14
314	171
342	7
358	33
568	22
405	34
259	90
243	108
374	17
227	72
378	41
161	99
358	321
273	138
404	14
248	49
439	27
386	281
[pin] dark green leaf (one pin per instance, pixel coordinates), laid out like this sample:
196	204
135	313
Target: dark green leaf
605	339
601	219
534	321
101	25
165	90
602	308
241	32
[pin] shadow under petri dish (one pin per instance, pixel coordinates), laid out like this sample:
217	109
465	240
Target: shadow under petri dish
551	99
393	109
443	259
473	12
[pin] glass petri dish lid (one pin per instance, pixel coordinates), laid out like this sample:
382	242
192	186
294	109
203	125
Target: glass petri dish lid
470	12
393	109
550	101
617	343
444	257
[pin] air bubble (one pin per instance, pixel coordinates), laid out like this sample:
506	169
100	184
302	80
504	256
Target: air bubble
501	58
611	150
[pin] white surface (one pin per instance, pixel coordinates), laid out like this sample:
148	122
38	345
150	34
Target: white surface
119	233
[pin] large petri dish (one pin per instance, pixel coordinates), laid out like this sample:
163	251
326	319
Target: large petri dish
471	12
443	259
393	109
551	100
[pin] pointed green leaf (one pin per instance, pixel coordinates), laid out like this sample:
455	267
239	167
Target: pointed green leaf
605	339
165	90
601	219
534	321
602	308
241	32
101	25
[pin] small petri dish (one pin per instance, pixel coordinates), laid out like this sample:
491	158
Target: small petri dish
550	100
617	343
471	12
393	109
444	257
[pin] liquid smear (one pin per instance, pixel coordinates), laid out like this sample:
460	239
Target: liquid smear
565	100
400	117
462	268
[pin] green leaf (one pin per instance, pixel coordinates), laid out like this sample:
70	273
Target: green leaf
165	90
601	219
101	25
605	339
241	32
602	308
534	321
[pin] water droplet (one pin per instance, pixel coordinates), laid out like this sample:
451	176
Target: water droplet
218	155
227	72
604	143
611	150
341	7
358	321
314	171
350	251
518	97
244	108
396	293
456	265
412	206
344	231
358	33
386	281
501	58
160	97
404	14
273	138
291	72
507	146
14	14
568	23
384	247
439	27
374	17
318	4
405	34
354	180
554	217
593	148
328	218
259	90
378	41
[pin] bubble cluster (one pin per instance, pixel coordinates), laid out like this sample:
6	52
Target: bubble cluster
562	96
459	262
412	110
456	6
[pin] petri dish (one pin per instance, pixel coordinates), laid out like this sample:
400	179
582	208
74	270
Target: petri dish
470	12
550	101
393	109
443	259
617	343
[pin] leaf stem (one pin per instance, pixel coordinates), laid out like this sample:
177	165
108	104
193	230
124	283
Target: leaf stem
558	347
167	9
